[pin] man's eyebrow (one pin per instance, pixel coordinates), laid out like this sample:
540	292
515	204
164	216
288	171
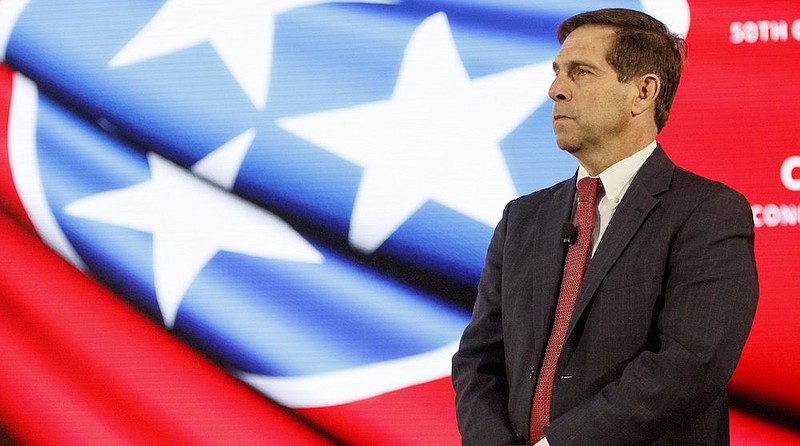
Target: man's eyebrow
573	63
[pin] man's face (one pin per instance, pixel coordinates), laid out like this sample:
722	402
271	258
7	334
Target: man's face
591	108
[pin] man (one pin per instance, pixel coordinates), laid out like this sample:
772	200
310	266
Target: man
638	349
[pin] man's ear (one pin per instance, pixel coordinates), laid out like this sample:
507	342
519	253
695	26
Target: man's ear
647	88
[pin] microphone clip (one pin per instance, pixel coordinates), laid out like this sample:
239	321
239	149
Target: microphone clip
569	233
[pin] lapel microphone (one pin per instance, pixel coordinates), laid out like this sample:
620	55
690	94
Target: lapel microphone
569	233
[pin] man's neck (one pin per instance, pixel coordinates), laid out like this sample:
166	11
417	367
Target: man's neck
596	160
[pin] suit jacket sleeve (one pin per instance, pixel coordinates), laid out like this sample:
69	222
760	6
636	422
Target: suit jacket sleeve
709	296
479	371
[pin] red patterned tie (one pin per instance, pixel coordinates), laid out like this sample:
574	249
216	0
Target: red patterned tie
574	267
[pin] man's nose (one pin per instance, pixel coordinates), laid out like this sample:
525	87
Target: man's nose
557	91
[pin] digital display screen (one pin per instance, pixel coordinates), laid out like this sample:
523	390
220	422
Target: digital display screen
274	215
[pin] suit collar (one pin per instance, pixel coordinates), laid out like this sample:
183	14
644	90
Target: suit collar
655	176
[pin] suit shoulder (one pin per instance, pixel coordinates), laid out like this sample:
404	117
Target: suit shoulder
534	198
701	187
691	191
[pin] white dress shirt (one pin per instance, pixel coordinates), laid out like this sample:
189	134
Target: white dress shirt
616	179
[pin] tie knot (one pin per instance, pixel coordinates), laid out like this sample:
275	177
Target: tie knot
588	188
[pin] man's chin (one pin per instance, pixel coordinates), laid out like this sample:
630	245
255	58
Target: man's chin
565	142
567	147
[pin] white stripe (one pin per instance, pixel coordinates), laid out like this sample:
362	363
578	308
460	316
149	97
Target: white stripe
10	10
345	386
673	13
22	156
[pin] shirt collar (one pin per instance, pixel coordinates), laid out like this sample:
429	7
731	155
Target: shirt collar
618	176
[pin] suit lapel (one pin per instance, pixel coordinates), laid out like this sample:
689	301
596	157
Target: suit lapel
547	265
653	178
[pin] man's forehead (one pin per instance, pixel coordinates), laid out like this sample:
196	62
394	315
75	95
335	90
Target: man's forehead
586	42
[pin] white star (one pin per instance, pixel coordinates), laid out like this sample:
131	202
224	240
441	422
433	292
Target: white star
437	138
191	220
240	31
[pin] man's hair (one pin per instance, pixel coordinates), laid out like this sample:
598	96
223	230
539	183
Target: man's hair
642	45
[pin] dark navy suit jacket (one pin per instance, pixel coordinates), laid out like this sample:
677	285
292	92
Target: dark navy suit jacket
662	315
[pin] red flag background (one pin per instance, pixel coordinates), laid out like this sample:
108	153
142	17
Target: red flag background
734	120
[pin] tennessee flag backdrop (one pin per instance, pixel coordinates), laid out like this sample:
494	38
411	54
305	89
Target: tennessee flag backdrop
258	222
